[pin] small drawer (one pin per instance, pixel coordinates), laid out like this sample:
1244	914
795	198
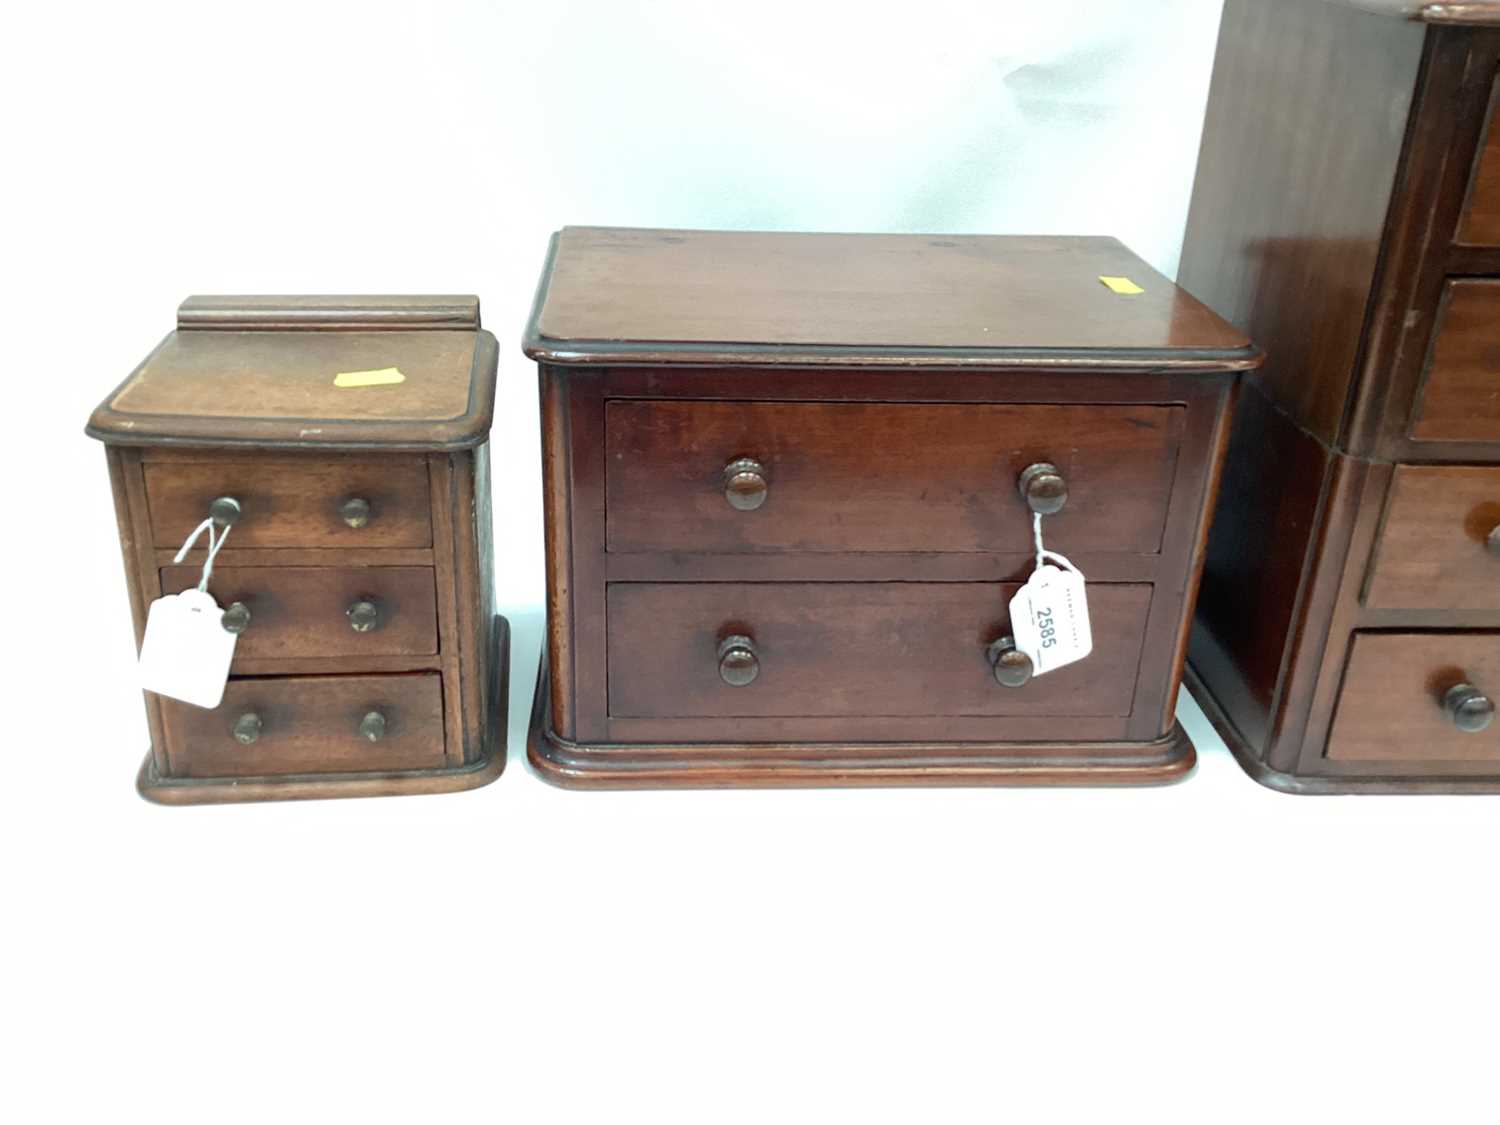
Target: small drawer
1460	395
294	611
296	502
859	650
747	477
1480	225
309	724
1440	545
1404	699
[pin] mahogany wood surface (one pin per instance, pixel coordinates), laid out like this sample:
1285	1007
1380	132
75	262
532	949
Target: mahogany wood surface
864	650
310	725
1461	398
302	611
298	557
1355	497
294	502
1481	221
1390	708
885	477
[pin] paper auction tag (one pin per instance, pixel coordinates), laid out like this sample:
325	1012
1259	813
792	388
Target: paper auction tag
385	377
186	650
1049	619
1121	286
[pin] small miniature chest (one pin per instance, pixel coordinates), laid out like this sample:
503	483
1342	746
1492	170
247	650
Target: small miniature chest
790	484
343	441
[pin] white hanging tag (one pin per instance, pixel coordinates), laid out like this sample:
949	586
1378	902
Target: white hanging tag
186	651
1049	616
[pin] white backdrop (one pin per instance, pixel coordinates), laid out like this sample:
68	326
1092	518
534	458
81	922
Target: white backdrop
1211	951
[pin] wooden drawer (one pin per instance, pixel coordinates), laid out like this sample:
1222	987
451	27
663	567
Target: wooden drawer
835	482
1433	551
304	611
1460	395
1390	707
1481	222
872	649
309	724
295	502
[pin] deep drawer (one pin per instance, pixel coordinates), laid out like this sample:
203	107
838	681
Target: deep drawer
299	611
1460	396
831	482
309	724
1434	550
1391	705
295	502
859	650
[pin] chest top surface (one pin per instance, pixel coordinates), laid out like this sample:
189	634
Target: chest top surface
1433	11
659	296
315	372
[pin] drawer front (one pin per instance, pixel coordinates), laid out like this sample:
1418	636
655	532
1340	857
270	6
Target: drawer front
298	502
1434	550
1460	396
1481	222
308	724
884	476
867	649
312	611
1391	709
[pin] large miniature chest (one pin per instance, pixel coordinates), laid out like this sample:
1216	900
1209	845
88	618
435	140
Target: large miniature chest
790	484
343	443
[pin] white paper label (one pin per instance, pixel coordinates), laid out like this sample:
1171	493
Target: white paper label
186	652
1049	618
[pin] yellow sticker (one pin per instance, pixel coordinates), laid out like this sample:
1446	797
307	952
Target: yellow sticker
1122	285
382	378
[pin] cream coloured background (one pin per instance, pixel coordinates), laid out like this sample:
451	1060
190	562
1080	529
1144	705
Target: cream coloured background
1208	952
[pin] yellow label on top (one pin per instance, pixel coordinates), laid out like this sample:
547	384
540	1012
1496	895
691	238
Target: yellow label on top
1122	285
382	378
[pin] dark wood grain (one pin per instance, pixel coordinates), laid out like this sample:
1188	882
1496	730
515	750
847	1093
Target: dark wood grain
865	650
301	611
616	295
1432	552
1390	708
310	725
1461	398
1294	182
885	477
294	502
1481	221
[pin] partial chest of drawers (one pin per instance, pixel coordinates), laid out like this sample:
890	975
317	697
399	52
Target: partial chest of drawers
353	563
800	552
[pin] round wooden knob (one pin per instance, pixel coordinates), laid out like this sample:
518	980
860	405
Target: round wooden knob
355	511
1012	667
236	618
1469	708
225	511
363	615
372	726
738	662
1492	541
745	484
1043	488
246	728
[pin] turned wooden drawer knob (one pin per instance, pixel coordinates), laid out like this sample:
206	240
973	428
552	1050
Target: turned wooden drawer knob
372	726
363	615
1011	666
1469	708
1043	488
355	511
225	511
745	484
236	618
246	728
738	662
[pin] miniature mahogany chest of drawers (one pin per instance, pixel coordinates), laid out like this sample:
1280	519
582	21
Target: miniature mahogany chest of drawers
1347	215
343	442
789	491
